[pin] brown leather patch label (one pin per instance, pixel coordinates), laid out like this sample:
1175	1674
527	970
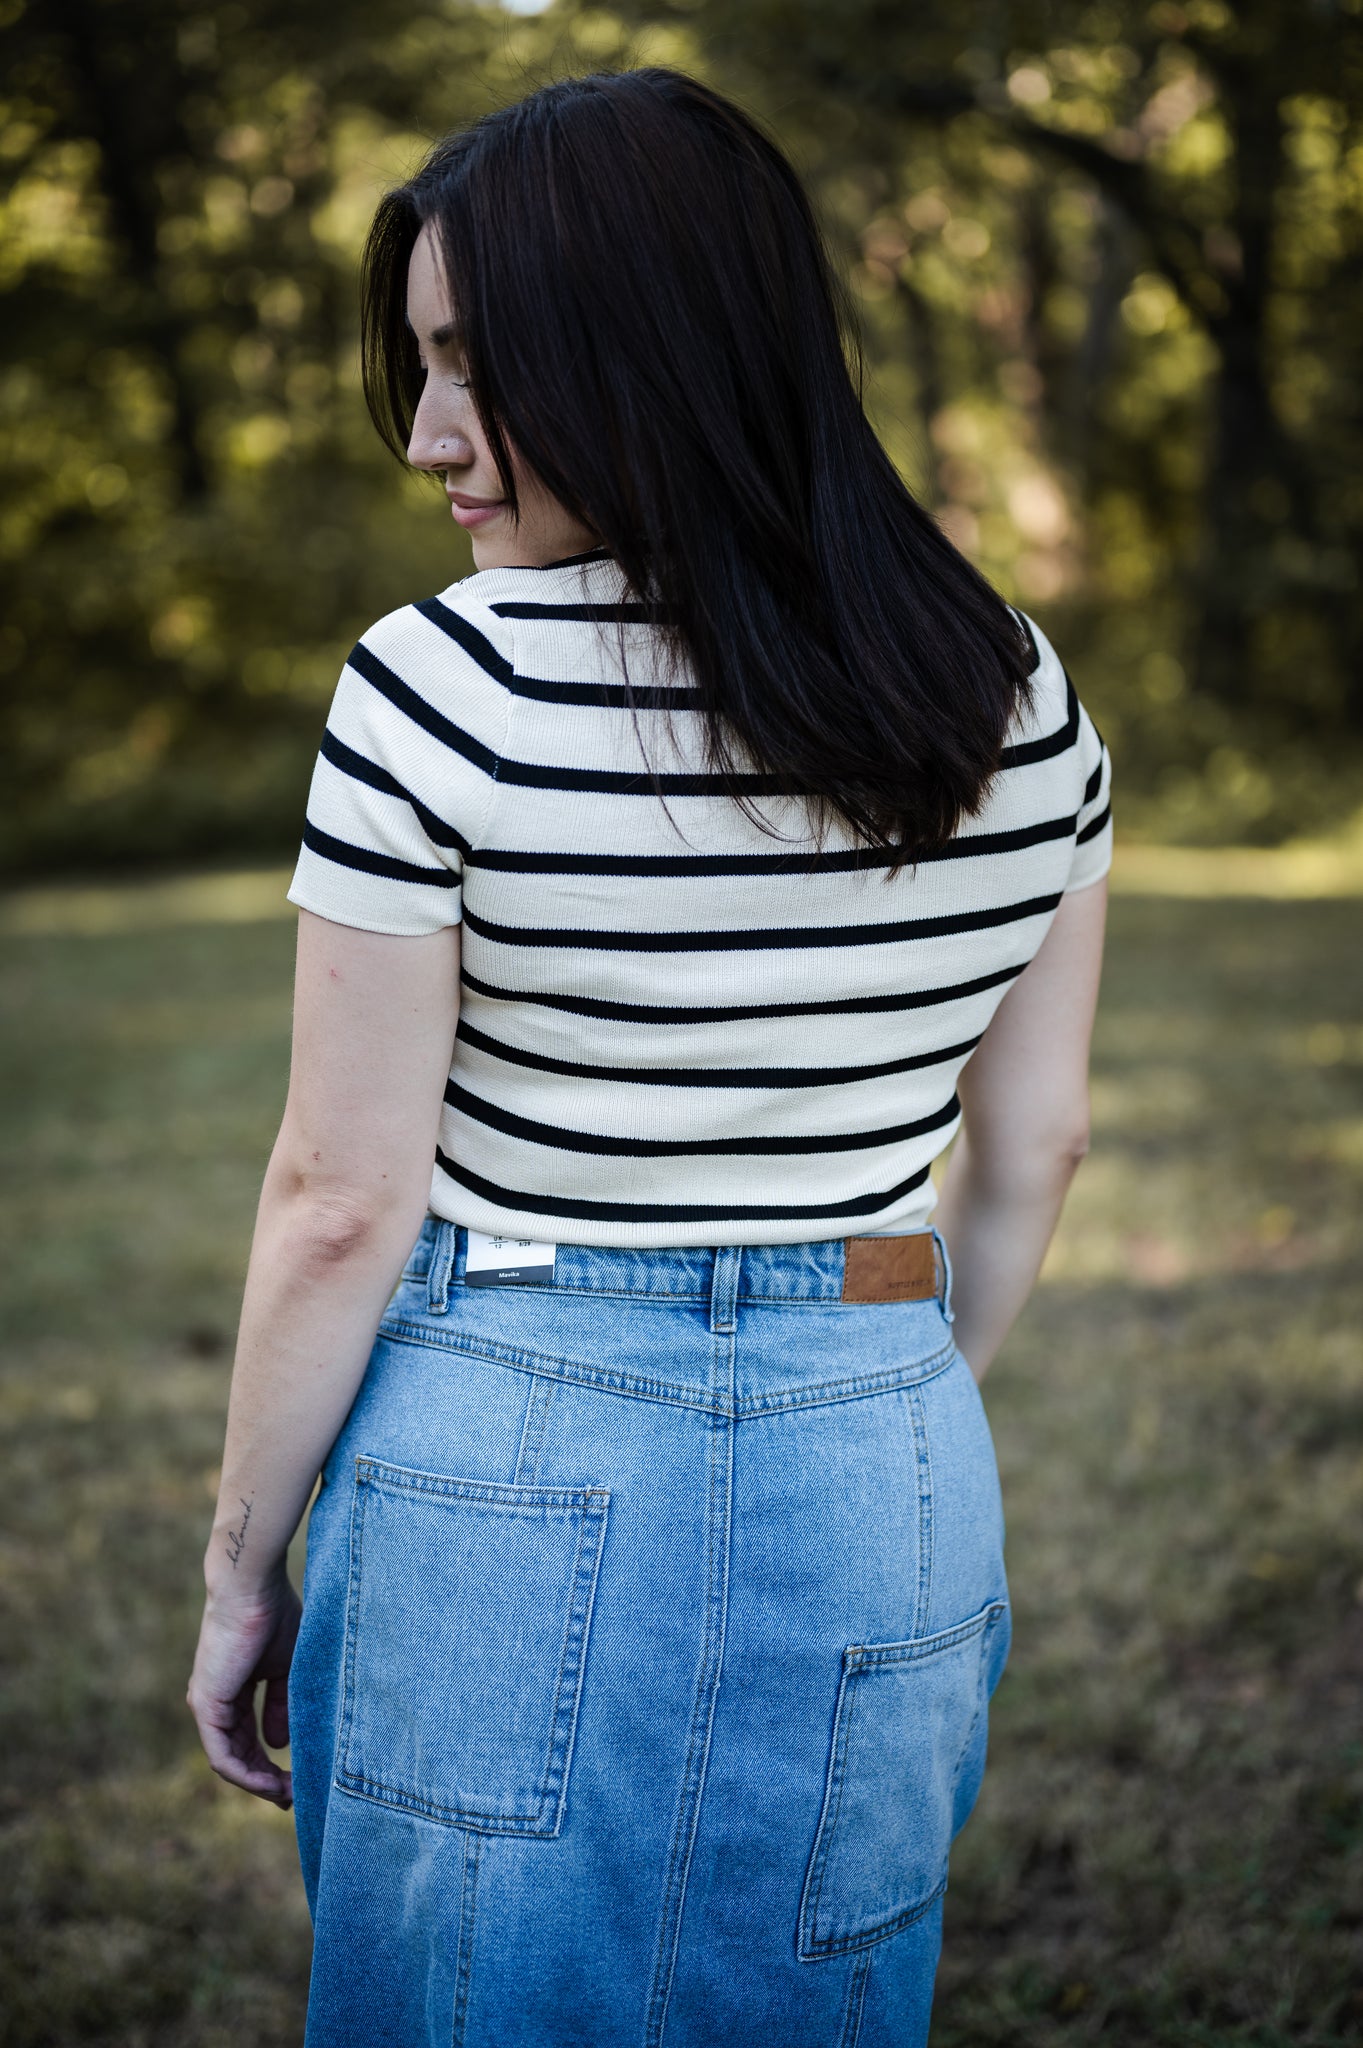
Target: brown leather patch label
890	1268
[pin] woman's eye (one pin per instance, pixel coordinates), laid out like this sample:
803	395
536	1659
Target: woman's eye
460	383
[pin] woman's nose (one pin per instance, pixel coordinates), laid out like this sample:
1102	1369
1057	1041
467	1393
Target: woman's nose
435	444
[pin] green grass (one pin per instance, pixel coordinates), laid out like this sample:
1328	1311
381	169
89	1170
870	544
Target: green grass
1169	1847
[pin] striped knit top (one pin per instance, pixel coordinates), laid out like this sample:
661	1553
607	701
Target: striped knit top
675	1028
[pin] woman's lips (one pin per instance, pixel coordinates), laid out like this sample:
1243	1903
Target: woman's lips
474	514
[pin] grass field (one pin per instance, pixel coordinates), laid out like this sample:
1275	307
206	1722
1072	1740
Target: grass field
1169	1847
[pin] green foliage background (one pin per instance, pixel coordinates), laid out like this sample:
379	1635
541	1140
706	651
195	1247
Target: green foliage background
1110	263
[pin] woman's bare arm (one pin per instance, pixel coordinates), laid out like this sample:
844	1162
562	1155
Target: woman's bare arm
1025	1128
346	1188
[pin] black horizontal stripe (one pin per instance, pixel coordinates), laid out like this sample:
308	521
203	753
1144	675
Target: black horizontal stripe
536	775
1093	785
1025	752
762	938
634	782
617	782
606	696
1094	826
475	644
711	1077
619	614
370	863
674	1212
804	1146
543	689
606	781
847	860
361	769
734	1013
366	663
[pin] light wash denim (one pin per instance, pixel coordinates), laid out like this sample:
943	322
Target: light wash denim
650	1623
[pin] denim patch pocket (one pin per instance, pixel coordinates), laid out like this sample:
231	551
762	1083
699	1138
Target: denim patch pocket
904	1771
466	1636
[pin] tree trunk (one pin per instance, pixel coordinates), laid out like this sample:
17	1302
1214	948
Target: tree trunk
132	136
1256	485
1087	373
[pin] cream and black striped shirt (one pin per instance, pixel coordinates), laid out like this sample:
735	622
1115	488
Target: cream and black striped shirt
675	1029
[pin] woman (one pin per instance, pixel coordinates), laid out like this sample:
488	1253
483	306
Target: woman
678	881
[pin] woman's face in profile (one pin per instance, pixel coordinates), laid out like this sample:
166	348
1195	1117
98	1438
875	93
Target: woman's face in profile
447	437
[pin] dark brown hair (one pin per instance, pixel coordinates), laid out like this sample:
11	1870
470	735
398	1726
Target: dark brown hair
652	319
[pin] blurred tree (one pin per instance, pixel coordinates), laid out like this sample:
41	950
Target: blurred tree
198	518
1177	186
1110	260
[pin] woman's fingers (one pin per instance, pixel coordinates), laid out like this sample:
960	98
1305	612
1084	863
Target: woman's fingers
236	1652
232	1744
274	1719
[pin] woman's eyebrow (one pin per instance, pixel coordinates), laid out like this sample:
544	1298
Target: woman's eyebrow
440	337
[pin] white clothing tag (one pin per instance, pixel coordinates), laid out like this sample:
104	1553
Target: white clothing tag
508	1262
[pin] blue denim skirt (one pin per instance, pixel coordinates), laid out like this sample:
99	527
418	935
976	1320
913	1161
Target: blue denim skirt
650	1622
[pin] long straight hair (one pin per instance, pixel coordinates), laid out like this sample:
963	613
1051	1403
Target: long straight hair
651	318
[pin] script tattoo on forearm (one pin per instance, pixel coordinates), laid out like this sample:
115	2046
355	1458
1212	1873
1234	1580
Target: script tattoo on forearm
236	1538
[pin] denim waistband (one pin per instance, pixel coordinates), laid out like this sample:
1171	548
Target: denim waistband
810	1272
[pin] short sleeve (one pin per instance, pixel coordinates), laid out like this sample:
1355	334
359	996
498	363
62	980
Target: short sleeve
406	771
1068	776
1093	829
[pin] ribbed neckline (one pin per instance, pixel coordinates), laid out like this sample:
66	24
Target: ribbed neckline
565	561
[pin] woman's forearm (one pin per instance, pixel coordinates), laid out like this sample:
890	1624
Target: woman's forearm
997	1224
374	1018
319	1278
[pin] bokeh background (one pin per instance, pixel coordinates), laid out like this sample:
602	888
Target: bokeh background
1109	264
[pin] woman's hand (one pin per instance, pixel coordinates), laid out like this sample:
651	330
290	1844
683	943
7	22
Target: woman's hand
242	1641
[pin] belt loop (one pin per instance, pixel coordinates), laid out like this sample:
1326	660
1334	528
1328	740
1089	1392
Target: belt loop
442	1267
943	1274
724	1289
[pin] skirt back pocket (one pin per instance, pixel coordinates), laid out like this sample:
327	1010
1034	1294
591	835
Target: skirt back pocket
466	1635
903	1773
